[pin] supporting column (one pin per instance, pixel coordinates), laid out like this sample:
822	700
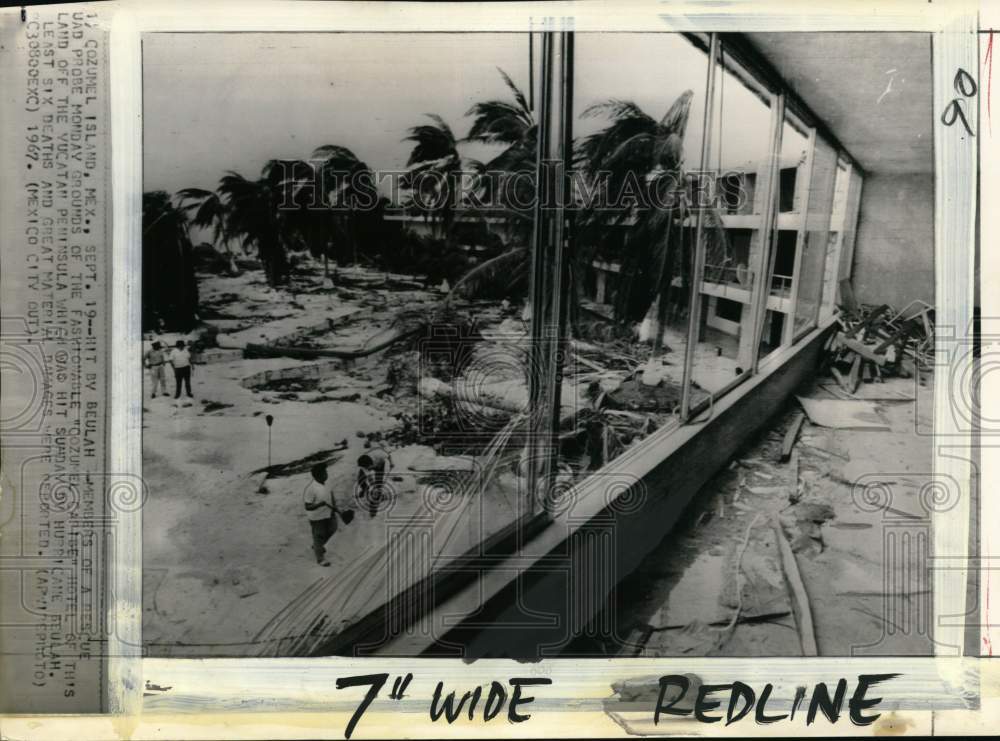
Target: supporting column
550	285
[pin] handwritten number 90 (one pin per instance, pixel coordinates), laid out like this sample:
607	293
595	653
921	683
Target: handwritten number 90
965	86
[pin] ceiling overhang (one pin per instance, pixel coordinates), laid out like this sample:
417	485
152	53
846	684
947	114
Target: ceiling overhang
871	90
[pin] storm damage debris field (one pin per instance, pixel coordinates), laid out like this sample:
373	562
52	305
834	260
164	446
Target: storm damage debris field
371	363
820	552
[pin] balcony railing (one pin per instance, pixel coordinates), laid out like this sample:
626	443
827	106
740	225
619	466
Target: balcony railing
736	275
781	285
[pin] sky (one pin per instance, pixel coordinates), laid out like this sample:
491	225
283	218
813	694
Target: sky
218	102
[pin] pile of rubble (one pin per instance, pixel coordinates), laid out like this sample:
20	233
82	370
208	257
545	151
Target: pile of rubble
874	342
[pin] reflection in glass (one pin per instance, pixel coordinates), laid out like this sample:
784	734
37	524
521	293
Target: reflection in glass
815	242
733	233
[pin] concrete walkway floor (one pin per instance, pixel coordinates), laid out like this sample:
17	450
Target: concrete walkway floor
860	532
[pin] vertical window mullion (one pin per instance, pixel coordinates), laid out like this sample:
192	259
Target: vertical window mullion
768	230
550	264
804	188
695	301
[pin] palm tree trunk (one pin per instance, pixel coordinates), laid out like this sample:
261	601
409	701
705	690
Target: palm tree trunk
663	310
663	283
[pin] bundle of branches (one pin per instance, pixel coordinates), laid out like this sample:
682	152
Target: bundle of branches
445	339
602	434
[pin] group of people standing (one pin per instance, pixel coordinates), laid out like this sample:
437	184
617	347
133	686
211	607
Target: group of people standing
179	358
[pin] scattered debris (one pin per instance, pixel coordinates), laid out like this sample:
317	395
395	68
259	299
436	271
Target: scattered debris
876	342
213	406
301	465
791	436
844	414
801	609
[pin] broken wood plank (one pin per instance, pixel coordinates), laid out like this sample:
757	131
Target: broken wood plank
854	378
866	326
767	490
840	379
866	351
791	436
836	391
796	494
762	617
899	336
589	363
800	599
826	455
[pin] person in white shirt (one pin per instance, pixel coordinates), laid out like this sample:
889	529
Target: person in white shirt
156	358
180	359
321	511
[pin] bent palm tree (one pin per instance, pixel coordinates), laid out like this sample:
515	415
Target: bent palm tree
205	210
434	169
506	183
508	179
348	191
637	162
255	212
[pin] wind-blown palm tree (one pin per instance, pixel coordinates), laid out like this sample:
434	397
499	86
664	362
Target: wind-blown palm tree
205	210
506	182
434	169
255	212
347	188
170	290
509	177
638	161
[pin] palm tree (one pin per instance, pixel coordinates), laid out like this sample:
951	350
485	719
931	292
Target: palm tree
170	290
205	210
509	178
638	161
347	189
434	167
255	212
506	182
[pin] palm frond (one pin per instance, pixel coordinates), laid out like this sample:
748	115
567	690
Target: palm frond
676	118
432	142
497	122
504	270
518	95
335	153
617	109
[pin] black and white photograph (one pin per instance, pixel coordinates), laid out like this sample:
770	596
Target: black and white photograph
553	369
537	345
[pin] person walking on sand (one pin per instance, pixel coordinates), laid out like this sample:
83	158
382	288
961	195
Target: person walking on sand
156	358
321	512
180	359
